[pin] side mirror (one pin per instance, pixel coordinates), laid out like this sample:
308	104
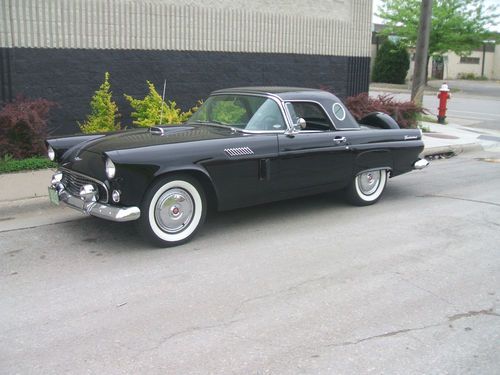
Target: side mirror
300	125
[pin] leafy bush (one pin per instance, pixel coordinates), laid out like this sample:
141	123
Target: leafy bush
391	64
405	113
149	112
23	127
104	111
8	164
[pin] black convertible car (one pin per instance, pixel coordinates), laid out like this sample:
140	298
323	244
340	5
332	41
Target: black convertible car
244	146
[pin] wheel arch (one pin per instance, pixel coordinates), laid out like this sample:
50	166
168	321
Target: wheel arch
373	160
199	175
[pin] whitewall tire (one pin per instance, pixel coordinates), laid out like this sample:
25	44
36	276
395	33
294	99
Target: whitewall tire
367	187
173	210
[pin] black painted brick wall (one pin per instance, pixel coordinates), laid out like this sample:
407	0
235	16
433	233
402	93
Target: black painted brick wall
70	76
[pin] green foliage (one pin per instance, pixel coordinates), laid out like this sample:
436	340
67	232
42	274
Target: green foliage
8	164
457	25
149	112
391	64
104	111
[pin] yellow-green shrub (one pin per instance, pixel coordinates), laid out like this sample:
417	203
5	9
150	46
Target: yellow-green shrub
104	111
148	111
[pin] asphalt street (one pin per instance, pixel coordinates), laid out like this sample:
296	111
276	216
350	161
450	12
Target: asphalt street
307	286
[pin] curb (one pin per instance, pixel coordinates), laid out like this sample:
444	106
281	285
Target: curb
456	149
19	206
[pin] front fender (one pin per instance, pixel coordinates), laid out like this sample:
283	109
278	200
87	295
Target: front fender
62	144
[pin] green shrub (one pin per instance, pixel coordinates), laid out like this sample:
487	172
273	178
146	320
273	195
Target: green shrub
148	111
104	111
391	64
23	127
8	164
406	114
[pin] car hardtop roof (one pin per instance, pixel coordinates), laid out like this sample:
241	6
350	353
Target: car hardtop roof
284	93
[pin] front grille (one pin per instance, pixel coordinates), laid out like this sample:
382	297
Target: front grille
73	182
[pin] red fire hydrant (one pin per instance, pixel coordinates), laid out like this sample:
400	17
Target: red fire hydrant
443	95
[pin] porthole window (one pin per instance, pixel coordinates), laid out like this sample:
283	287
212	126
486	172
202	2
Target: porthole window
338	111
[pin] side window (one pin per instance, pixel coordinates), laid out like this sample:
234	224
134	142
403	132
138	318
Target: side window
267	116
315	116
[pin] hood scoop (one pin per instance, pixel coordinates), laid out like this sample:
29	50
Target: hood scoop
156	130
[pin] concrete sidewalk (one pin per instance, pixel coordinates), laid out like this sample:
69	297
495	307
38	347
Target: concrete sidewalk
20	189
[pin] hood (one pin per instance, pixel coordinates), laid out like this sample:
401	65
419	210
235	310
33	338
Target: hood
133	139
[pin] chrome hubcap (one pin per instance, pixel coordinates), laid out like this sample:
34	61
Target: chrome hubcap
174	210
369	182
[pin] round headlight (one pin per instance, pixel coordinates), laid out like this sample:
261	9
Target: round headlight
110	168
51	153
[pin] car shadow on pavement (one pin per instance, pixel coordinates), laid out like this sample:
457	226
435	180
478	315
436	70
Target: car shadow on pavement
115	237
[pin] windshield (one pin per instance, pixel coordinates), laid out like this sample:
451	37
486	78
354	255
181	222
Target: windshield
240	111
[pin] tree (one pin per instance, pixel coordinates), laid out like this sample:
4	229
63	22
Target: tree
104	111
457	25
391	64
149	111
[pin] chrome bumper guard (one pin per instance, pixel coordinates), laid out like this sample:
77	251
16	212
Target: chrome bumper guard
420	164
87	204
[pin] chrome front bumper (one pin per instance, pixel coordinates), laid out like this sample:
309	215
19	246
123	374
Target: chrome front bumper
89	206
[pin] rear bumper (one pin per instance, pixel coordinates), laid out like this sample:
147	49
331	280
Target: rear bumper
58	193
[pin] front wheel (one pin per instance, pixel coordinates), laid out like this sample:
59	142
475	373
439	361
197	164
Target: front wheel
173	210
367	187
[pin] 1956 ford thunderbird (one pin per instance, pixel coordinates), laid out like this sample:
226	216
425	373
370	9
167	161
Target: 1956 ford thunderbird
244	146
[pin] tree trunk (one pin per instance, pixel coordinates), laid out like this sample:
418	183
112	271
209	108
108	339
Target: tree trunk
427	69
422	53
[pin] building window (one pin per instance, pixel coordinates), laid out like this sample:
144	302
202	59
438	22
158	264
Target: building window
469	60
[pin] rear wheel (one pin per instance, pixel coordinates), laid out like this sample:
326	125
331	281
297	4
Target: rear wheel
173	210
367	187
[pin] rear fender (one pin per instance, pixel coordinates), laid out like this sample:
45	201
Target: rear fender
373	160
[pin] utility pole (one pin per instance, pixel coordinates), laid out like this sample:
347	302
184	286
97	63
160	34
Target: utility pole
419	73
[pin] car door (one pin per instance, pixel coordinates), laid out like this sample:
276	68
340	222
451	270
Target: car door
243	167
317	157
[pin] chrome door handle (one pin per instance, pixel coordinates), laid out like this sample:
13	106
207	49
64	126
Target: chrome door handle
340	140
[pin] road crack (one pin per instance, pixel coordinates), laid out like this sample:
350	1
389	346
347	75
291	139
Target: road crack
472	313
452	318
387	334
458	199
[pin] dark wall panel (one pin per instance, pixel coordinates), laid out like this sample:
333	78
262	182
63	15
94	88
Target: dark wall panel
70	76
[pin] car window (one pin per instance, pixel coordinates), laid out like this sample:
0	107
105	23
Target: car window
241	111
267	117
313	113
